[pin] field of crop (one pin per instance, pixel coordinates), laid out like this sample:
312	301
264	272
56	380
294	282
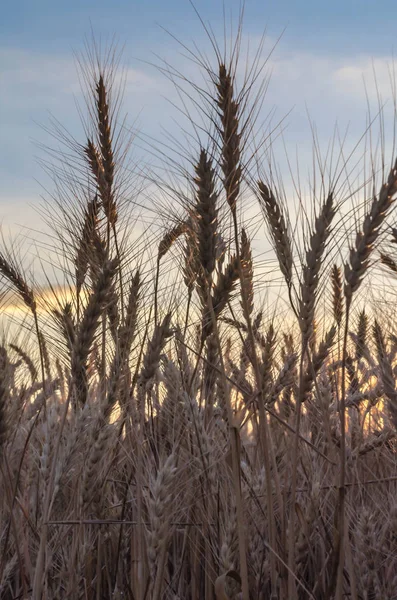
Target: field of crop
182	420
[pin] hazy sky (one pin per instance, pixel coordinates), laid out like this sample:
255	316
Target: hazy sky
319	65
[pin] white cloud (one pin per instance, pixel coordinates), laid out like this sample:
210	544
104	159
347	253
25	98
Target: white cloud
29	77
332	82
367	76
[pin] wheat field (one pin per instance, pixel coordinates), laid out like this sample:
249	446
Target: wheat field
168	430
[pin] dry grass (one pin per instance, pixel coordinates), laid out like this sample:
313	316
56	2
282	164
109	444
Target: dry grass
183	442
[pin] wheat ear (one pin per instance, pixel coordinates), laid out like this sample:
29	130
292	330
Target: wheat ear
278	231
26	359
247	274
312	267
165	245
386	371
223	290
337	294
87	328
206	214
85	242
365	240
231	136
105	142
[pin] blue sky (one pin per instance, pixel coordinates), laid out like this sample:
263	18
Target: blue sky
319	65
338	26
